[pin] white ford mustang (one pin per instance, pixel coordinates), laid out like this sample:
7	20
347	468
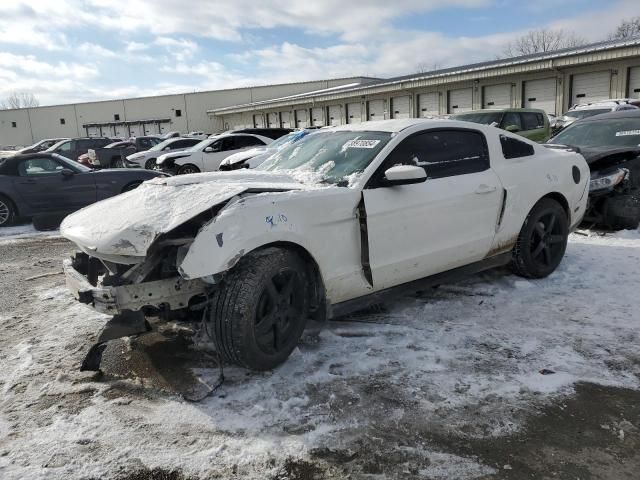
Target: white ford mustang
341	218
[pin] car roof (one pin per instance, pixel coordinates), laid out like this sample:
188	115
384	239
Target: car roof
613	115
27	156
498	110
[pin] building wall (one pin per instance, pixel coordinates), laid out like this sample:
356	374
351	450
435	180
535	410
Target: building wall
619	78
34	124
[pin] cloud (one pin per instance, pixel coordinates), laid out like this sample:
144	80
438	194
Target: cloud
180	48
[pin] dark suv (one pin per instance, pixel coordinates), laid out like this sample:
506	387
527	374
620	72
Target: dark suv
75	147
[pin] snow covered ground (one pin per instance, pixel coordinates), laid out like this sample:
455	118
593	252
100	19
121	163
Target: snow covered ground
382	394
25	231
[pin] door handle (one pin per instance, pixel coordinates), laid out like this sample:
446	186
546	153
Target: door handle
482	189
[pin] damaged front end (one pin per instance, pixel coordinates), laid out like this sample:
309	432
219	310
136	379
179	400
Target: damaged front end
131	293
614	189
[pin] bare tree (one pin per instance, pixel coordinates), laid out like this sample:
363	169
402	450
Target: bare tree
425	67
19	100
626	29
543	40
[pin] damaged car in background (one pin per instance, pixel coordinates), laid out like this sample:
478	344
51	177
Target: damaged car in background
345	217
610	143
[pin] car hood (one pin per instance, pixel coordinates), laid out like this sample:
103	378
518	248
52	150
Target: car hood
125	226
604	156
243	155
172	155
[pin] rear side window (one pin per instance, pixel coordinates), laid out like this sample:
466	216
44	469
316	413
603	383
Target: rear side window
532	121
247	141
512	119
443	153
513	148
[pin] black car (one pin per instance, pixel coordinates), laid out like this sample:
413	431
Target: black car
47	184
610	143
74	147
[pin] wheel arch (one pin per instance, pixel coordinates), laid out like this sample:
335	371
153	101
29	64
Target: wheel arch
562	200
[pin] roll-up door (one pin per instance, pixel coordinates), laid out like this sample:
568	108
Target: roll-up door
460	100
401	107
540	94
150	128
121	131
317	117
634	82
302	120
354	112
335	115
496	96
136	130
93	131
590	87
274	119
165	127
258	120
286	119
428	104
375	110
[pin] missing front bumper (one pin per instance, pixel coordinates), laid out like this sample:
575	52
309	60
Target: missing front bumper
167	294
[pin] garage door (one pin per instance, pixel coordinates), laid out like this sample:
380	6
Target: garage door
286	119
165	127
634	82
590	87
540	94
151	129
496	96
273	119
301	118
135	130
258	120
354	112
401	107
460	100
317	117
335	115
429	104
121	131
375	110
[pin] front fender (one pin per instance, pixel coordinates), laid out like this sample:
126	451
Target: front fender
240	228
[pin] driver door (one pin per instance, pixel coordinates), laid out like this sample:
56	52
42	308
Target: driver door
43	186
445	222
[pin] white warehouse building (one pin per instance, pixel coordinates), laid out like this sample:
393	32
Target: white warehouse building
143	116
552	81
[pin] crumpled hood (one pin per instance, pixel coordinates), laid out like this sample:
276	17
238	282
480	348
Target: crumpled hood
126	225
613	154
172	155
243	155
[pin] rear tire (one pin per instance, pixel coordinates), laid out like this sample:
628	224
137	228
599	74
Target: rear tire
7	211
188	168
149	164
259	312
48	221
542	240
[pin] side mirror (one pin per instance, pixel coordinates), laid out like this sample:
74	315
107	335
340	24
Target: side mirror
67	172
208	150
512	128
166	149
404	175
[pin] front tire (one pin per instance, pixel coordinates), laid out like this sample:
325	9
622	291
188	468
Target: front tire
7	211
259	312
542	240
149	164
188	168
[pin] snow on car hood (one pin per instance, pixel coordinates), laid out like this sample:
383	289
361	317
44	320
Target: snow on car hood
126	225
243	155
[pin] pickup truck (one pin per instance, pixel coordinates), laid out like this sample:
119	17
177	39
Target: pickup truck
113	155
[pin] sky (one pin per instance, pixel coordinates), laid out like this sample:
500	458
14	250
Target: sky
79	50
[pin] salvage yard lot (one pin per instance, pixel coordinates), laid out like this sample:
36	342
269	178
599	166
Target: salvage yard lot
444	384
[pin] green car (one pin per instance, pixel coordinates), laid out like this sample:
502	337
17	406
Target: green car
531	123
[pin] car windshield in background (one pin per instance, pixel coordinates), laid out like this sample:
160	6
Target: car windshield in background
623	132
484	118
579	114
328	156
75	166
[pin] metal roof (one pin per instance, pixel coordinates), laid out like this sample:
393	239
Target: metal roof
444	73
